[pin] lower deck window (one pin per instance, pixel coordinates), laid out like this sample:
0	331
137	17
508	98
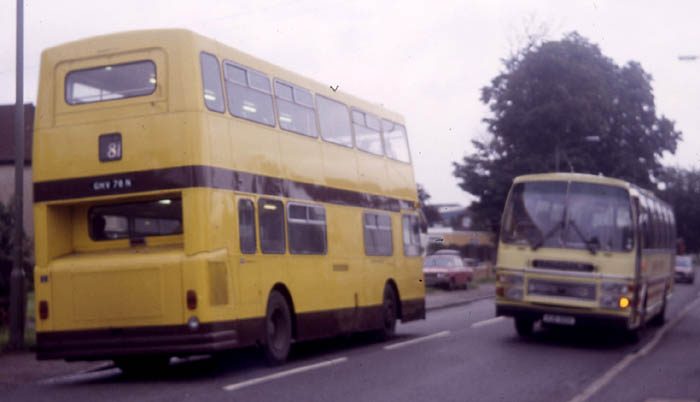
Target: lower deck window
306	225
377	232
136	220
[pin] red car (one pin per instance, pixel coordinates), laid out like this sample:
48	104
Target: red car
446	268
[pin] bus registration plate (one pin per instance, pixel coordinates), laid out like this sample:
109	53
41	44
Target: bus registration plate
559	319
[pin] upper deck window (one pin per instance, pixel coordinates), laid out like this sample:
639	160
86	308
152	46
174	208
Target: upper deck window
110	82
334	121
395	142
368	135
249	94
295	109
211	81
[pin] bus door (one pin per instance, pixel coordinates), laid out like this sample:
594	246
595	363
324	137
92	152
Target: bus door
247	262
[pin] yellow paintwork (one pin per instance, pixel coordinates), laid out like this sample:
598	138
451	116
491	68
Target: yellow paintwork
617	267
91	284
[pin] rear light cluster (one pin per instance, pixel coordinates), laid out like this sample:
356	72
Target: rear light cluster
615	295
191	299
510	286
43	310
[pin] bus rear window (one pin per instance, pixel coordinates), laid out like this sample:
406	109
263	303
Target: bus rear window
111	82
136	220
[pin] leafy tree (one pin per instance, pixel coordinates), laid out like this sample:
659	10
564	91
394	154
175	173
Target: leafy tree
430	212
563	105
682	191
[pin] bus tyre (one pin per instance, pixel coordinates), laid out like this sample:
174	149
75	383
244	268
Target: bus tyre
278	329
524	327
660	317
389	314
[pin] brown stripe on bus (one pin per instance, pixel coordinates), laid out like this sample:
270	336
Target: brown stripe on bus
209	177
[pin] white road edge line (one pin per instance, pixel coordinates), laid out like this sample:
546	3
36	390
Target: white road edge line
416	340
488	322
282	374
603	380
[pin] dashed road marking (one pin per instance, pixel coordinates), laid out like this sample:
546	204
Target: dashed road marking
282	374
490	321
416	340
603	380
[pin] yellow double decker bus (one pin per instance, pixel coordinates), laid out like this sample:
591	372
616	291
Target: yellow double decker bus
190	198
578	249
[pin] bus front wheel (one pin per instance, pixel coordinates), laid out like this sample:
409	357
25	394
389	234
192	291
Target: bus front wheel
278	329
524	327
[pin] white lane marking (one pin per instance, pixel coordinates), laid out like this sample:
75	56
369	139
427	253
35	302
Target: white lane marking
416	340
488	322
603	380
282	374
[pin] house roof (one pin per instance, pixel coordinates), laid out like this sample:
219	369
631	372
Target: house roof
7	133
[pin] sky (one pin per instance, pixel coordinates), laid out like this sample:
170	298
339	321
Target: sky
427	60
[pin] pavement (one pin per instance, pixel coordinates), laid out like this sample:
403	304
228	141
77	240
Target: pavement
21	367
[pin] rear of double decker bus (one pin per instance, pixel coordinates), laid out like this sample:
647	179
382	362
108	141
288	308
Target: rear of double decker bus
569	253
120	229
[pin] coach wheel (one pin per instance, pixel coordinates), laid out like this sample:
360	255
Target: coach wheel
278	329
660	317
524	327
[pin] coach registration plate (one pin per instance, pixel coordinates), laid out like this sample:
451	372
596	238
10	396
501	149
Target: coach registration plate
559	319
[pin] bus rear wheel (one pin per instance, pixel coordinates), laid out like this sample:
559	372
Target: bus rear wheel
389	314
278	329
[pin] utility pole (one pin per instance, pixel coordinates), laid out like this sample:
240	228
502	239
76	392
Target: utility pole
17	290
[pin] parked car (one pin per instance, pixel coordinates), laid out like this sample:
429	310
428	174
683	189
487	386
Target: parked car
446	268
684	270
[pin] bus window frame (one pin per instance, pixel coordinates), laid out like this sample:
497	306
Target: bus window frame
353	109
294	88
307	221
222	83
347	110
249	85
78	70
255	226
405	137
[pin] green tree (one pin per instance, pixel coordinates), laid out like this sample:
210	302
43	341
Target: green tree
550	102
430	212
682	191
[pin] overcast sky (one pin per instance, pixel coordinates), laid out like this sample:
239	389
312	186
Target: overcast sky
424	59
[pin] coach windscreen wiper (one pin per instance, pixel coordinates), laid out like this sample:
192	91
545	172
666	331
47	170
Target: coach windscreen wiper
588	242
548	235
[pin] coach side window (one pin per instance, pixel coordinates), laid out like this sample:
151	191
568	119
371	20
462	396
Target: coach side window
211	81
334	121
378	236
368	132
271	221
246	226
249	94
295	109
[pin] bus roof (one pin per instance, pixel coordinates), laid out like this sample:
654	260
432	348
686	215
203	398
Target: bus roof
583	177
174	39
